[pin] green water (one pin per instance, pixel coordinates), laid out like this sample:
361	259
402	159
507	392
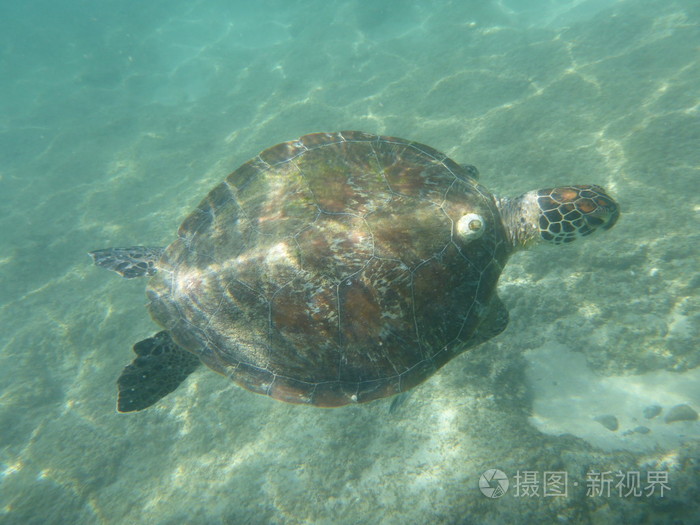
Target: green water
116	118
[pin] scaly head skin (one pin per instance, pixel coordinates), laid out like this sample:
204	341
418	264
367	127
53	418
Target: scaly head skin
557	215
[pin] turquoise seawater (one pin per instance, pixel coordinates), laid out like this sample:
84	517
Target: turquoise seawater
117	117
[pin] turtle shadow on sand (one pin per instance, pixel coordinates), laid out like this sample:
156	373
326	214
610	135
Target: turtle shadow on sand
338	268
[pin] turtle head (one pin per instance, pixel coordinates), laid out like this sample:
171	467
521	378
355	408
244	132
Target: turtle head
558	215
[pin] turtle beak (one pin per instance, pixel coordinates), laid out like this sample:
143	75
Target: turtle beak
608	211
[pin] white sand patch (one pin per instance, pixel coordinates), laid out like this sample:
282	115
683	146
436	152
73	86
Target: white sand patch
569	395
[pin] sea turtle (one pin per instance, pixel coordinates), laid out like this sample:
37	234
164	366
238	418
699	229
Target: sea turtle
337	268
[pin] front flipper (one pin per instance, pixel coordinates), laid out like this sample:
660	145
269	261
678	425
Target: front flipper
399	400
159	368
495	322
135	261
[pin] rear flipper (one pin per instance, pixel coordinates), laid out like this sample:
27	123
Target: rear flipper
159	368
135	261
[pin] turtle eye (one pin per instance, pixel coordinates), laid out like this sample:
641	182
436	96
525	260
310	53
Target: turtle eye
471	226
